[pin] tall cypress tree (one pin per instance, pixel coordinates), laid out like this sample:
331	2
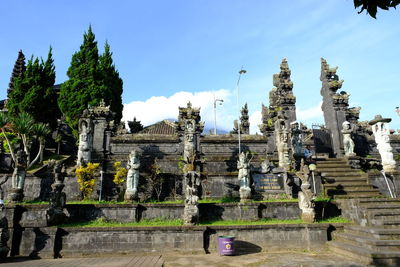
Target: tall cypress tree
33	92
83	86
18	70
112	83
91	79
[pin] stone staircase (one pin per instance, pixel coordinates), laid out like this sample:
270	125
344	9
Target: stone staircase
375	241
341	181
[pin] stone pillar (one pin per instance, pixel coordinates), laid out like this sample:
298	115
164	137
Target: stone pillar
281	100
244	120
335	107
190	127
56	214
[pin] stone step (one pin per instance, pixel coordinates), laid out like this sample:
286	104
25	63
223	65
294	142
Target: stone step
350	184
332	160
381	206
331	165
384	214
391	223
368	242
344	174
366	256
337	169
381	233
356	195
383	200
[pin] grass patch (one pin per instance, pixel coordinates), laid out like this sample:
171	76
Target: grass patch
103	223
89	201
179	222
259	222
46	159
277	200
337	219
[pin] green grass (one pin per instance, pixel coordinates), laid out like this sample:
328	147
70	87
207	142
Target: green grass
89	201
334	220
37	165
259	222
178	222
104	223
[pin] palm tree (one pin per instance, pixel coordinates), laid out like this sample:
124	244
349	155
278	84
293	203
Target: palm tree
24	126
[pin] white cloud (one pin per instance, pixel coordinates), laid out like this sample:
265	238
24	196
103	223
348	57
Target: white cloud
255	120
158	108
309	115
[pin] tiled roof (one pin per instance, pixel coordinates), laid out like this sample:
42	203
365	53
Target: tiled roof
163	127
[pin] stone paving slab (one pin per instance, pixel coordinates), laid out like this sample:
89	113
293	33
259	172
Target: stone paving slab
262	259
177	259
114	261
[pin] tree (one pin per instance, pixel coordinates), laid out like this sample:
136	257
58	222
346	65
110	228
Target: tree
82	87
135	126
18	70
371	6
33	92
112	83
91	79
27	131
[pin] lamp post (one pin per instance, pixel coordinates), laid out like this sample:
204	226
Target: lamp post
242	71
215	113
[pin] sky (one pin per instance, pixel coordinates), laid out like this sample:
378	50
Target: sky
172	52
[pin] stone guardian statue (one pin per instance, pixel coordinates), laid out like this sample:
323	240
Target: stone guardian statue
380	128
132	178
348	143
306	196
243	166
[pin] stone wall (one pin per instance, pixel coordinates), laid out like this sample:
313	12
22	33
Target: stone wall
30	215
56	242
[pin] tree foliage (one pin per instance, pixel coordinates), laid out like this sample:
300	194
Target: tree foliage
112	83
24	127
33	92
135	126
18	70
371	6
92	78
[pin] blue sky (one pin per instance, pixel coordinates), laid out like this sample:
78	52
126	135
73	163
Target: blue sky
168	52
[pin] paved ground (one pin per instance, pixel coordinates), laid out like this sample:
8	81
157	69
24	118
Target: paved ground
263	259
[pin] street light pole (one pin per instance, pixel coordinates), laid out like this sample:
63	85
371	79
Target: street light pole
215	113
242	71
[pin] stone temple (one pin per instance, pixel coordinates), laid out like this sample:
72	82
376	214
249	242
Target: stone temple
353	166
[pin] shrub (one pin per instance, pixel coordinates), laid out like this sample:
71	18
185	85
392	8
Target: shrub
120	173
86	179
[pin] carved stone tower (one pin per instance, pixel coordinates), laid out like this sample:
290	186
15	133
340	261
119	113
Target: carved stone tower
336	106
281	100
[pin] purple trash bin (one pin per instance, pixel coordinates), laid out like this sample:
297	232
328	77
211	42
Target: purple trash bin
225	245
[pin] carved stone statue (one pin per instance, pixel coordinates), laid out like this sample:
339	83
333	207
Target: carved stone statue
297	139
55	213
348	143
85	142
380	128
191	211
282	136
243	166
306	196
132	178
18	177
267	166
